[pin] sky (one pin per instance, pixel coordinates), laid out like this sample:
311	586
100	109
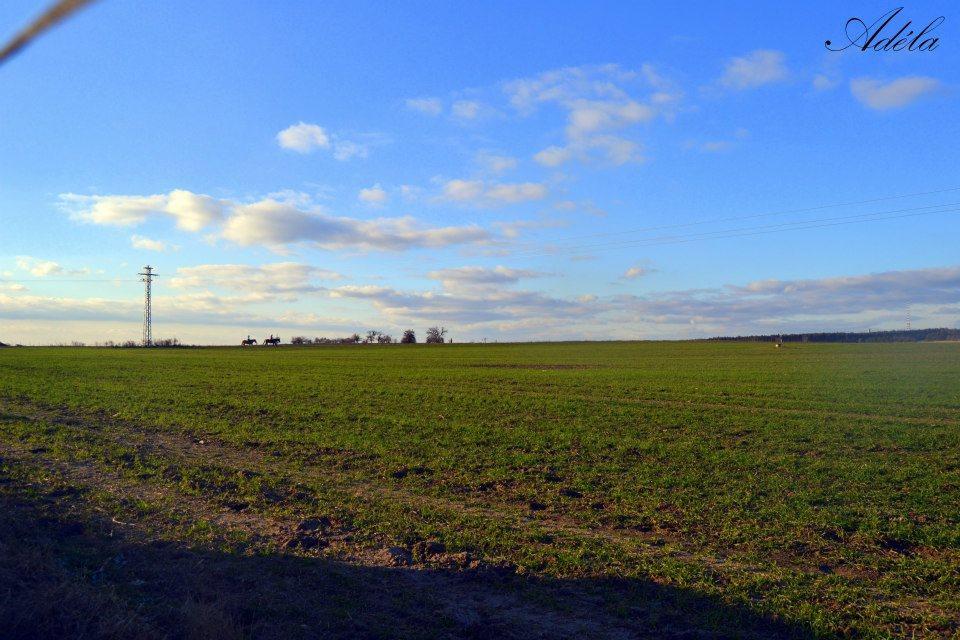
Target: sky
509	170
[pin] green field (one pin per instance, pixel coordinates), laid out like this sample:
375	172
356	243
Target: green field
542	490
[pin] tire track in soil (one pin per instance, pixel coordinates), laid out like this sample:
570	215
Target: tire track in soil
338	544
468	590
188	449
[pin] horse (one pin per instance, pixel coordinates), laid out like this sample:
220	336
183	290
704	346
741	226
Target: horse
271	341
249	341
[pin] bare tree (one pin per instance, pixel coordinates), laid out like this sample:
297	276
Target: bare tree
409	337
435	335
371	336
384	338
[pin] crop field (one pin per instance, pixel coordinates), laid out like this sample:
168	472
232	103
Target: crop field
569	490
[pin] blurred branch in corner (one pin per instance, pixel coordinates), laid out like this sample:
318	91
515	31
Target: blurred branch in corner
58	12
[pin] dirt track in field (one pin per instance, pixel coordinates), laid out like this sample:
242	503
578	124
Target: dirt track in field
458	594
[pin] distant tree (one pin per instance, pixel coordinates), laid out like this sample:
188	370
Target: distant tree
409	337
435	335
299	340
371	336
384	338
355	338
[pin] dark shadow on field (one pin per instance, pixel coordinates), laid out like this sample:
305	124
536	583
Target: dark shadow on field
69	579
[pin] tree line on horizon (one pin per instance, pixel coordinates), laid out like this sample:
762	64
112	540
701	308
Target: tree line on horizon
896	335
435	335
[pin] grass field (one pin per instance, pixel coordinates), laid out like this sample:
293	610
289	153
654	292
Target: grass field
545	490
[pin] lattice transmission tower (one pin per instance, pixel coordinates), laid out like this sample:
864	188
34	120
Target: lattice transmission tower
147	276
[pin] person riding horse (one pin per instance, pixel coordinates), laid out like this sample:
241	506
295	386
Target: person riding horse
249	341
271	341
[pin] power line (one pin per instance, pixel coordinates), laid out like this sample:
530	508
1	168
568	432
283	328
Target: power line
116	280
780	225
783	212
758	230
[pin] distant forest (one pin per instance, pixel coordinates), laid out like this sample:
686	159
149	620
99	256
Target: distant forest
913	335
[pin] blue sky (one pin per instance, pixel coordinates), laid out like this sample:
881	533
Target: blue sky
497	168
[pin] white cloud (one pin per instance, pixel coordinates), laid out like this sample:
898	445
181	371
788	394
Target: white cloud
43	268
512	193
816	300
465	109
590	116
513	229
598	105
496	164
616	150
716	146
277	225
113	210
823	82
566	85
759	307
297	198
473	277
280	278
637	271
303	138
147	244
274	223
462	190
191	211
428	106
757	68
553	156
202	308
469	307
478	192
39	268
891	95
484	302
58	308
374	195
410	192
344	150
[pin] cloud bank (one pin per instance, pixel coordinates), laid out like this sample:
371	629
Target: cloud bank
273	223
479	302
306	138
755	69
898	93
